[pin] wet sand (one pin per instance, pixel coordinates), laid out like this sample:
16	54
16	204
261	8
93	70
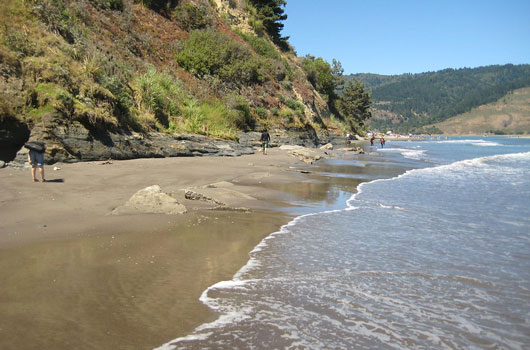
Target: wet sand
131	290
74	277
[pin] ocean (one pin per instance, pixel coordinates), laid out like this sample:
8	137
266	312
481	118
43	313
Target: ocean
437	257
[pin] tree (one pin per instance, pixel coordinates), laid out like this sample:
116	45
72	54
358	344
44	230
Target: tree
337	72
320	75
271	12
354	105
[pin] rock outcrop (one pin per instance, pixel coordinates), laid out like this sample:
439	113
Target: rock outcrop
306	155
73	142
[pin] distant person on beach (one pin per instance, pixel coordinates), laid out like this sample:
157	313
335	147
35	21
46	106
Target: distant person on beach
383	142
265	139
36	159
372	139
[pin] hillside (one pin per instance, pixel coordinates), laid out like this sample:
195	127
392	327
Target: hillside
95	79
509	115
410	101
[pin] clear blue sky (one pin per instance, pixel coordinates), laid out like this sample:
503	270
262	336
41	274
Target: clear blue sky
410	36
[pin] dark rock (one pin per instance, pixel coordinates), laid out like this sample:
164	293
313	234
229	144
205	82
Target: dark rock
13	135
73	142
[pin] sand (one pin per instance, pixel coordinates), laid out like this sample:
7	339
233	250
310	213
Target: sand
74	277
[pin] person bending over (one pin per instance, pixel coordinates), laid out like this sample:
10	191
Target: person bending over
36	159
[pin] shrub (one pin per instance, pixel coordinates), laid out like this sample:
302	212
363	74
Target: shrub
261	112
240	106
211	53
109	4
58	17
211	118
219	120
287	114
260	45
65	103
287	85
190	17
160	95
295	106
162	6
17	41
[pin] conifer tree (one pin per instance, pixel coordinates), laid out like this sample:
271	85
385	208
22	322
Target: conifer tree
354	105
271	12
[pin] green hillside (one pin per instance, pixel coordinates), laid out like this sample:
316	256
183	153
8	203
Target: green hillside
410	101
508	115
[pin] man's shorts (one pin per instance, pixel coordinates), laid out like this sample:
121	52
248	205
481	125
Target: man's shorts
37	159
264	145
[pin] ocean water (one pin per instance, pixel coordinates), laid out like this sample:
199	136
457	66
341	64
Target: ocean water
435	258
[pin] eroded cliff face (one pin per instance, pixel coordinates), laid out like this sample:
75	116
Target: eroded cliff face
71	75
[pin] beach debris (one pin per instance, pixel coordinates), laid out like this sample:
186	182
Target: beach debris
196	196
2	163
106	162
225	208
327	146
56	168
150	200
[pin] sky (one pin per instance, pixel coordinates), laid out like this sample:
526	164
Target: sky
410	36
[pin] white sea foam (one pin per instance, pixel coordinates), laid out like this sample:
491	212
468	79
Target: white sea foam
316	298
414	154
463	141
391	207
486	143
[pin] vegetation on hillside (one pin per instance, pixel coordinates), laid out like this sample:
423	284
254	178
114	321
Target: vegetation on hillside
426	98
508	115
351	107
173	66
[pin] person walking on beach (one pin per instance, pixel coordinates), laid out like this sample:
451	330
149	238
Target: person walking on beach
265	139
383	142
36	159
372	139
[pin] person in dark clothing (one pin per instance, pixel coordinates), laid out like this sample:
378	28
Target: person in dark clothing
372	140
265	139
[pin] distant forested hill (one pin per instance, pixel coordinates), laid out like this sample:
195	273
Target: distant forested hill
408	102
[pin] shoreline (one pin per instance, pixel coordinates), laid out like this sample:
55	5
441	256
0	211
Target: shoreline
90	284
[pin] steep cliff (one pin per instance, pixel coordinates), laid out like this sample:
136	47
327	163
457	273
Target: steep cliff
121	79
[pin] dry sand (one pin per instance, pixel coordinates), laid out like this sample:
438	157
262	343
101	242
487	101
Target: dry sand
74	277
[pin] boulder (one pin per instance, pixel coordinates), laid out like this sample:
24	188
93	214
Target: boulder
150	200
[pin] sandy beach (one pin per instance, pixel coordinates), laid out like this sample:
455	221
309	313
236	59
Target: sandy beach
75	277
